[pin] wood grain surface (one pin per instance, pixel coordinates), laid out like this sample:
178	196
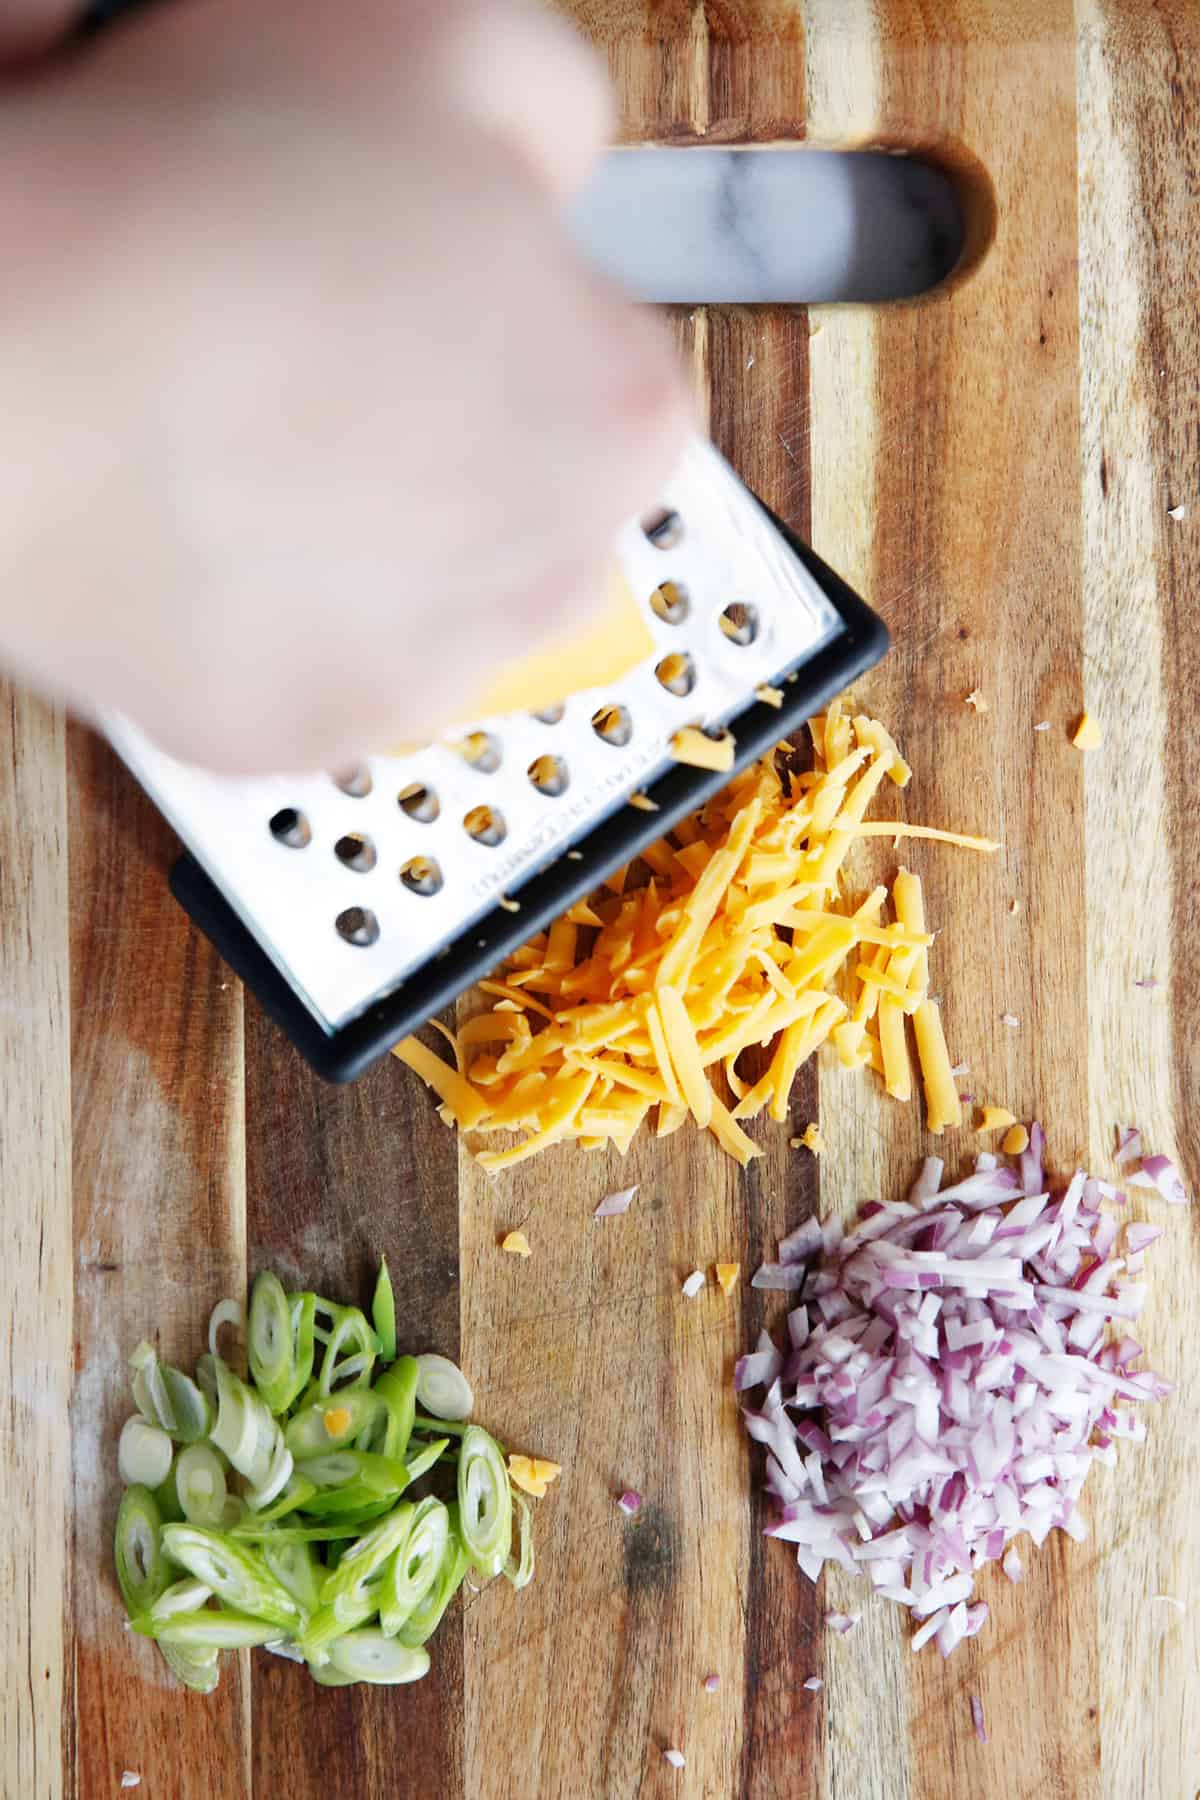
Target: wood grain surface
993	466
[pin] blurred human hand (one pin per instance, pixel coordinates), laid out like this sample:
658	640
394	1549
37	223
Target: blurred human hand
312	414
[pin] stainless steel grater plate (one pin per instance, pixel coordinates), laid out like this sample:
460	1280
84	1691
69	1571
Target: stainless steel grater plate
351	886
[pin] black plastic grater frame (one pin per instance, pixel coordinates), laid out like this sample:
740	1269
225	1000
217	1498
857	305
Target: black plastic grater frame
341	1055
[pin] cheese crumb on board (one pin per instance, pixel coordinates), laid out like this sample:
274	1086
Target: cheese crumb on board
727	1274
532	1474
994	1118
1087	734
770	696
740	928
810	1139
976	701
1015	1141
516	1244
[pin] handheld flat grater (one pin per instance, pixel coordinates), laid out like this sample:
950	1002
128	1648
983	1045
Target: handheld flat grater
357	906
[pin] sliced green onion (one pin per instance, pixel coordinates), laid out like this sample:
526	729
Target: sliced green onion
332	1423
296	1492
225	1312
328	1676
372	1657
351	1480
397	1390
244	1430
167	1496
426	1457
276	1478
197	1669
200	1484
353	1342
442	1388
345	1589
422	1422
271	1343
295	1566
215	1631
383	1314
484	1502
426	1615
192	1410
519	1569
413	1570
188	1595
238	1575
344	1529
142	1570
327	1626
206	1376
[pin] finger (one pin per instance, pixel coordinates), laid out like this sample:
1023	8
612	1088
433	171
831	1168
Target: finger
29	28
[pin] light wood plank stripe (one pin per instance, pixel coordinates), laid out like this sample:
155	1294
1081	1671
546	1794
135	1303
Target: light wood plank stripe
35	1273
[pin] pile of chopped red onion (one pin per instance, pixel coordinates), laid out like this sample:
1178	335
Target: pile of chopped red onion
948	1382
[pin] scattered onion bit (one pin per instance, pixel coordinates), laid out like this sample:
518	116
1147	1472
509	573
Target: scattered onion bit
1160	1172
976	701
1011	1020
516	1244
727	1274
711	1683
814	1684
641	996
1042	725
676	1758
643	803
630	1502
770	696
693	1284
1177	512
1170	1600
994	1118
1015	1140
1014	907
947	1383
1012	1565
1147	982
130	1778
1087	734
841	1622
977	1718
613	1205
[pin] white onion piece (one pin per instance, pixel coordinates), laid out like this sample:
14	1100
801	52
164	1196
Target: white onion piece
947	1383
225	1312
676	1758
442	1388
614	1204
144	1453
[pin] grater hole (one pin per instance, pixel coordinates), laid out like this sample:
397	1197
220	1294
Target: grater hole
740	623
421	875
482	751
291	828
419	802
355	782
358	925
355	852
669	602
677	673
485	825
549	775
550	715
663	528
613	724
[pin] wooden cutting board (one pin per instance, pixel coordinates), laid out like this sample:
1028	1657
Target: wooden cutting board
993	467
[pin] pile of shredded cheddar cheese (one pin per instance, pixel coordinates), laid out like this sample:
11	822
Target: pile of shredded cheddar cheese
736	930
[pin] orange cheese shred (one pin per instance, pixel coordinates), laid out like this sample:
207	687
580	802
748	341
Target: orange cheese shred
740	930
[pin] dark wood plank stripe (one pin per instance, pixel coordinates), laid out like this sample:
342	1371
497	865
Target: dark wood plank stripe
335	1178
159	1238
